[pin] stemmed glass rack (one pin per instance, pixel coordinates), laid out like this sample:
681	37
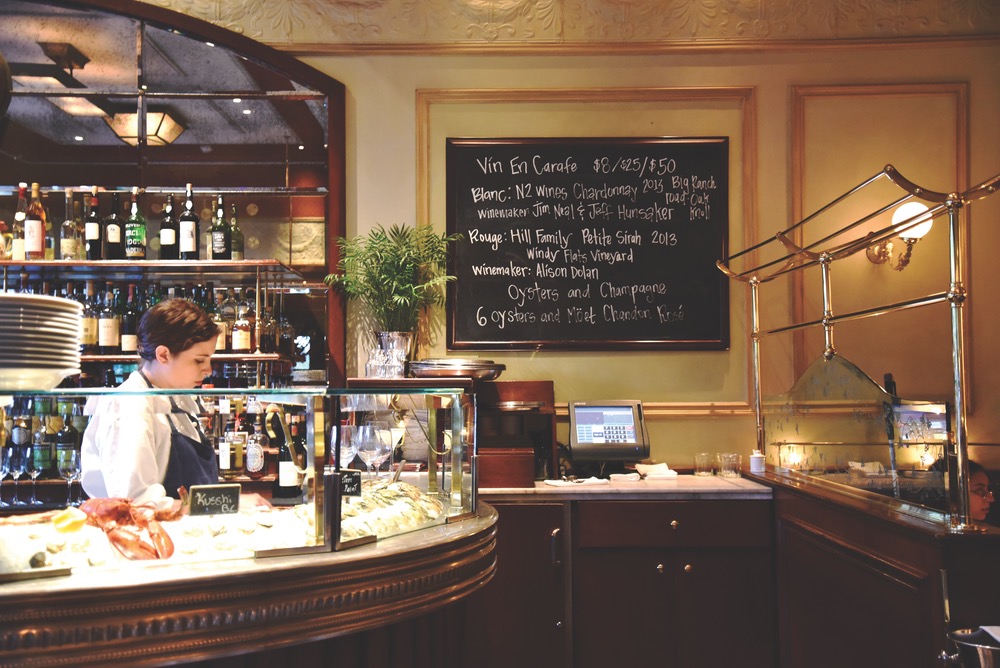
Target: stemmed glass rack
847	241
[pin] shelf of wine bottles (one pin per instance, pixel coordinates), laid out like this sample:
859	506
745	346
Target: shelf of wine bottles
272	272
251	322
71	228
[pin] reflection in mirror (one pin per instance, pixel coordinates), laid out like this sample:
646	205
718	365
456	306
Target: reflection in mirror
838	425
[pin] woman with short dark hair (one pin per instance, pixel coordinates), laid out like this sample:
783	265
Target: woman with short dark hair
145	447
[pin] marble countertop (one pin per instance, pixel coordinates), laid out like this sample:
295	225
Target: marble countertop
682	487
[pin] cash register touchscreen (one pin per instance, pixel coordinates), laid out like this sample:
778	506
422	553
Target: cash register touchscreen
607	431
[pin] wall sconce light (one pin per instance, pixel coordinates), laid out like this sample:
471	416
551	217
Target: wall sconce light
919	225
161	127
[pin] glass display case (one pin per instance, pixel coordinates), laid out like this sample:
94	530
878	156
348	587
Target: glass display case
836	425
341	468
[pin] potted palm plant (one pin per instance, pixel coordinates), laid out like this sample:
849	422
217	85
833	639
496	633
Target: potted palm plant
396	273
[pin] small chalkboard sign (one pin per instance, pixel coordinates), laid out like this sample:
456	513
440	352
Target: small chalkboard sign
588	243
350	482
215	499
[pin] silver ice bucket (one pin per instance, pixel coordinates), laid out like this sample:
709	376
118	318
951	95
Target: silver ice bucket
976	649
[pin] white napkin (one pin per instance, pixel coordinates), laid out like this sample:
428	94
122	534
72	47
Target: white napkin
578	482
625	477
654	471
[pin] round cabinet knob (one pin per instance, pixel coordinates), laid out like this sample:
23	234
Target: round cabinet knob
674	525
659	568
559	625
688	568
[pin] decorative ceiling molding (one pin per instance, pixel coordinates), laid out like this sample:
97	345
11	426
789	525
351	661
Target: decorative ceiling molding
592	26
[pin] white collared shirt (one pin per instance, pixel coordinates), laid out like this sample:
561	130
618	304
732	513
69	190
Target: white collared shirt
126	446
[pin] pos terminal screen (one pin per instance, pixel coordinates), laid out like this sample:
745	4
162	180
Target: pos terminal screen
605	424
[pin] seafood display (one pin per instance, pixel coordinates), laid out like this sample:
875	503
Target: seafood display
127	526
387	508
115	532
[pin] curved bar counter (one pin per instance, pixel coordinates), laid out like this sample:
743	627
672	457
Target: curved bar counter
146	615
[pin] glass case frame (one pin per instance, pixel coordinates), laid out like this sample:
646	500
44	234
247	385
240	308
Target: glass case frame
331	488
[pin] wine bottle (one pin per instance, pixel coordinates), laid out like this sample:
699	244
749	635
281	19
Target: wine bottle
69	240
222	340
241	340
130	323
113	247
35	222
230	444
266	326
154	295
187	228
17	229
93	229
288	484
299	442
236	235
135	230
222	237
109	325
78	204
246	308
228	309
41	439
67	438
254	459
88	323
168	232
50	235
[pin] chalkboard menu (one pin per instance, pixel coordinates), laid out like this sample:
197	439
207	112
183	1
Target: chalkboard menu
589	244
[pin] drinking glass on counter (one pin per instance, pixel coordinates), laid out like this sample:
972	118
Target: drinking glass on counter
730	464
702	464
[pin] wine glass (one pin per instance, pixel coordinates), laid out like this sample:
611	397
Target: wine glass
348	445
69	470
369	446
4	468
16	467
34	470
385	440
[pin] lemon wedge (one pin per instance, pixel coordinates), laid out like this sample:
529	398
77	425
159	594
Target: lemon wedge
70	520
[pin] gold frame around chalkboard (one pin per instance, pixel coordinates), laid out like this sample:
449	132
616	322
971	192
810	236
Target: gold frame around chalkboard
636	176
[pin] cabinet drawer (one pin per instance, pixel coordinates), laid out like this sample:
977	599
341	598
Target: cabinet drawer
673	523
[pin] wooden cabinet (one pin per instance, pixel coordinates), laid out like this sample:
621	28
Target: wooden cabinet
675	583
521	617
863	586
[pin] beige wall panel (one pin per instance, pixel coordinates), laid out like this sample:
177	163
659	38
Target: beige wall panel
847	135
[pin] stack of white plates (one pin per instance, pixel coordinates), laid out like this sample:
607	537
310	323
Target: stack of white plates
40	341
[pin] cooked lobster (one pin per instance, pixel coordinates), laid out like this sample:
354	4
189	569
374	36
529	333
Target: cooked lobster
124	523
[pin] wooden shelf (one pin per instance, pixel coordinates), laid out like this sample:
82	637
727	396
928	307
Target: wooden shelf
165	271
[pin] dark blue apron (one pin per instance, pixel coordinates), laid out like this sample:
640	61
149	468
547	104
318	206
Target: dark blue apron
191	462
